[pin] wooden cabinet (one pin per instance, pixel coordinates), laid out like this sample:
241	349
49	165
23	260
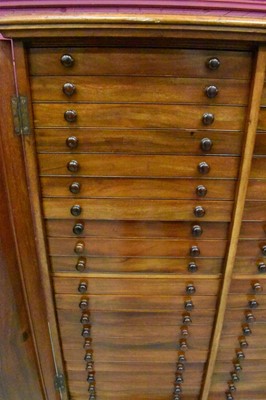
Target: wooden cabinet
138	200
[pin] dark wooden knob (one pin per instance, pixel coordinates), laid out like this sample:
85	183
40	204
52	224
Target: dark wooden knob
180	367
179	378
201	191
69	89
187	319
183	344
234	377
78	228
72	142
86	332
203	168
181	356
76	210
83	287
73	166
71	115
213	63
85	319
88	356
177	389
84	304
207	119
67	60
196	230
211	91
81	264
237	367
256	287
240	355
246	330
190	289
243	342
189	306
199	211
79	248
249	317
261	267
74	187
229	396
192	267
90	366
87	343
253	303
263	250
194	251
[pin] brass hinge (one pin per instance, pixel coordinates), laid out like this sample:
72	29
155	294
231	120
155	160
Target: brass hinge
59	382
20	115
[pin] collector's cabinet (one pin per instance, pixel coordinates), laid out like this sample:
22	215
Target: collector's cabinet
136	173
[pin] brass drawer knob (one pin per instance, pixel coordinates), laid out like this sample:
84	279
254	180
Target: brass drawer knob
73	166
176	397
83	287
192	267
72	142
92	397
246	330
213	63
203	168
256	287
249	317
240	355
74	187
194	251
76	210
84	304
90	378
90	366
211	91
196	230
86	332
187	319
190	289
206	144
85	319
87	343
179	378
237	367
235	377
263	250
71	115
79	248
181	357
69	89
183	344
177	389
88	356
189	306
207	119
261	267
67	60
81	264
229	396
243	343
201	191
180	367
78	228
253	304
199	211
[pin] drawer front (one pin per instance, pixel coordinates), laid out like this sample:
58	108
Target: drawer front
253	230
254	211
256	190
258	168
251	248
260	144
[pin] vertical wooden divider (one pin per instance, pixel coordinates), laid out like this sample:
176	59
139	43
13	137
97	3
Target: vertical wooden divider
251	128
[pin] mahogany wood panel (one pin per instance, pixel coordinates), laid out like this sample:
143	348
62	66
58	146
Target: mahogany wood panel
149	210
113	89
140	61
209	266
51	115
139	165
138	141
244	394
127	395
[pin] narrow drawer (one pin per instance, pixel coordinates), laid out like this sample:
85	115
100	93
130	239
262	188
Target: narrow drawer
140	61
256	189
249	286
242	301
251	248
253	230
250	355
260	144
258	168
255	211
251	265
254	341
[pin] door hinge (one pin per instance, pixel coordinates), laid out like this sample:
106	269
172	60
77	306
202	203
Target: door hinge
20	115
59	382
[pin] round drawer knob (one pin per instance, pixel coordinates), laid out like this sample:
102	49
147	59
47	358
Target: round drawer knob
179	378
229	396
240	355
243	343
192	267
178	389
253	304
203	168
85	319
69	89
177	397
90	366
87	343
70	115
92	397
72	142
189	306
181	357
231	387
246	330
237	367
91	387
261	267
180	367
249	317
263	250
90	378
74	187
206	144
183	344
187	319
199	212
190	289
194	251
76	210
201	191
78	228
88	356
196	230
235	377
256	287
84	304
207	118
83	287
184	331
67	60
81	264
86	332
79	248
213	63
73	166
211	91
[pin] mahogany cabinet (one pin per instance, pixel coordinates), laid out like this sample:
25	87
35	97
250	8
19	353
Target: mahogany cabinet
135	167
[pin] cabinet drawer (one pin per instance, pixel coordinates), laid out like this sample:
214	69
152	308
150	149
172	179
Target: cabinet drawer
250	355
140	62
258	168
253	230
155	188
251	248
147	210
256	189
138	166
247	285
138	141
255	211
249	265
255	341
232	316
260	144
242	301
139	116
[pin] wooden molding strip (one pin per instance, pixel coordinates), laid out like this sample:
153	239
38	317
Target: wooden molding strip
252	121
